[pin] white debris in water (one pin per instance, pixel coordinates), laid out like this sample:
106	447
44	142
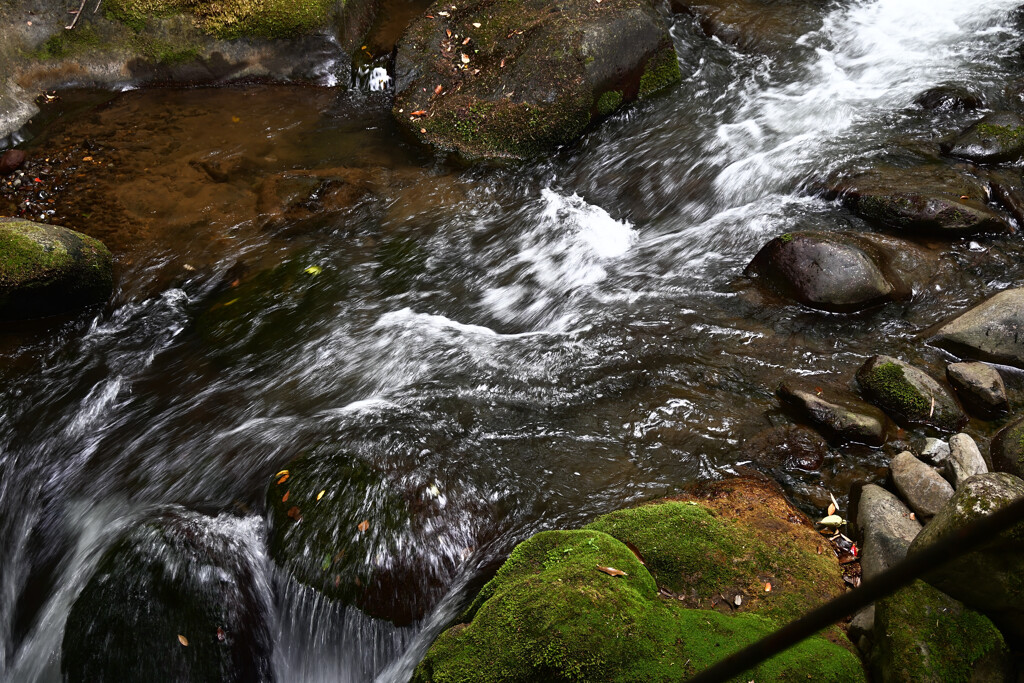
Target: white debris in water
379	79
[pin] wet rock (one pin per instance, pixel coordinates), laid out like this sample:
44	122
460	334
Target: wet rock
980	389
923	635
302	200
786	447
861	628
756	24
46	269
909	395
179	596
1007	448
965	460
949	97
933	200
987	579
343	528
840	414
996	139
887	529
991	331
11	161
921	486
829	271
554	612
935	451
529	78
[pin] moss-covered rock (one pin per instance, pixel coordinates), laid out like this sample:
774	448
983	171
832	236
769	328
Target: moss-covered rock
46	269
997	138
513	78
553	613
924	636
727	539
232	18
909	395
838	413
176	598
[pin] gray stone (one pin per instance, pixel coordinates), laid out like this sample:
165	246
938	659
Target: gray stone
910	395
1007	448
861	627
965	460
979	387
887	529
991	331
921	486
935	451
839	414
997	138
987	579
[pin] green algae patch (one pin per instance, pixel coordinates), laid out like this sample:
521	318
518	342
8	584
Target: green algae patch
888	382
553	612
909	395
69	44
662	70
727	541
925	635
46	269
608	102
230	19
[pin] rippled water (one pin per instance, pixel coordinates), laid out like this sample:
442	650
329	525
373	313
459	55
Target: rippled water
538	344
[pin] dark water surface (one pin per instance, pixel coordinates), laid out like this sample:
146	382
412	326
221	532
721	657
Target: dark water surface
526	346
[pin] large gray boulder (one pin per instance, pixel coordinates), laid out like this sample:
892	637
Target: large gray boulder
909	395
1007	448
839	414
887	528
991	331
922	487
991	578
46	269
997	138
965	460
980	388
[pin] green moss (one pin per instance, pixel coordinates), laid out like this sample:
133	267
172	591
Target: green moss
1007	136
887	382
228	19
28	253
608	102
69	43
925	635
786	237
551	614
662	70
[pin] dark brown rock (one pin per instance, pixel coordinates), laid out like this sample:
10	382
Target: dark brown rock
11	161
838	413
997	138
786	447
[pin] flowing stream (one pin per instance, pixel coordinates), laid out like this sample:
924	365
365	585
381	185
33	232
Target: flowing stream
534	345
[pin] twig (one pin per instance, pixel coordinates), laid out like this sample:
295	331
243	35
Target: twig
77	14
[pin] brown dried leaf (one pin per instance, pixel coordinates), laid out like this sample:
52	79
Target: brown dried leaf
295	513
183	640
466	41
284	499
364	525
438	89
611	571
449	32
831	510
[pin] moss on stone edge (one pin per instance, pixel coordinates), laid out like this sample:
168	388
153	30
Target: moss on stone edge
230	19
662	70
1006	136
608	102
887	382
33	254
929	636
551	614
69	44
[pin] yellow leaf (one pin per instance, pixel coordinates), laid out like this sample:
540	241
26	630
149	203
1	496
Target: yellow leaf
183	640
321	494
281	472
314	270
235	119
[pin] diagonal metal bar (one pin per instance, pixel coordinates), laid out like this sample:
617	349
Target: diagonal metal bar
947	549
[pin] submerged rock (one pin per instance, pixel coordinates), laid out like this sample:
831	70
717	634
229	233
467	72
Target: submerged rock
922	487
997	138
988	579
840	414
887	528
177	597
923	635
830	271
1007	448
934	200
300	200
949	97
46	269
514	79
786	447
980	388
769	25
583	605
909	395
11	161
990	331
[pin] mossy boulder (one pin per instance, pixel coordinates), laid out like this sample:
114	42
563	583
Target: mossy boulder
341	527
990	578
925	636
553	612
997	138
990	331
1007	448
726	540
929	199
909	395
46	269
230	19
178	597
838	413
515	78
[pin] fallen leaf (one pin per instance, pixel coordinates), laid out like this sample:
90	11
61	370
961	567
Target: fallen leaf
963	196
466	41
767	587
321	494
235	119
913	516
281	472
831	509
183	640
611	571
423	130
418	112
503	64
448	31
476	24
438	89
314	270
465	58
364	525
285	498
444	14
738	601
220	634
295	513
86	158
189	267
283	479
